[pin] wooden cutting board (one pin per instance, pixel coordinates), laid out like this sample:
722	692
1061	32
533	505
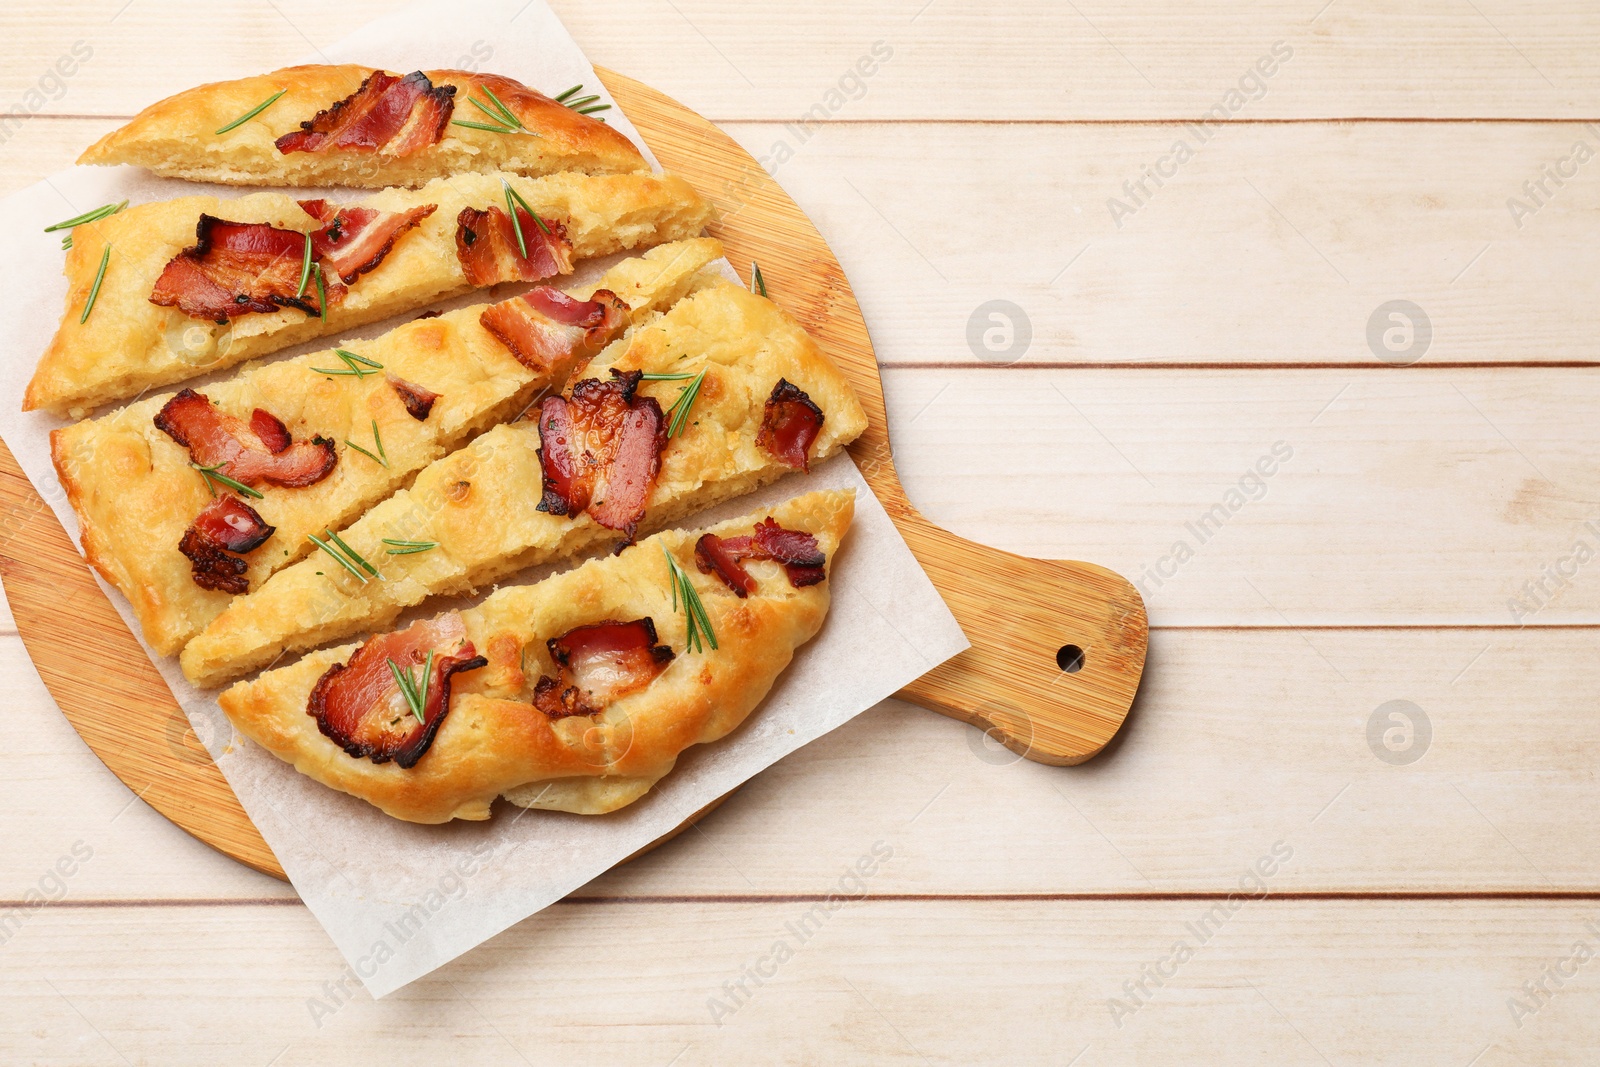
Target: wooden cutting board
1057	647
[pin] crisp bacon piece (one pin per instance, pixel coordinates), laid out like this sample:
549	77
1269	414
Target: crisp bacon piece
599	664
399	115
354	240
273	433
359	704
227	525
418	401
802	558
789	424
548	330
487	247
246	453
601	451
235	268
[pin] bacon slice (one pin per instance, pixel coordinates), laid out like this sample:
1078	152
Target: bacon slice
359	705
802	558
601	451
789	424
418	401
600	664
354	240
236	268
487	247
399	115
227	525
245	452
548	330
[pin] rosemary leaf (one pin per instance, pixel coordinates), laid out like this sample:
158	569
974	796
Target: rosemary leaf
88	216
378	440
680	407
352	553
398	547
758	284
516	224
651	377
322	296
253	112
337	558
592	110
526	207
582	101
509	116
479	125
562	99
364	452
408	686
347	355
305	270
94	293
214	478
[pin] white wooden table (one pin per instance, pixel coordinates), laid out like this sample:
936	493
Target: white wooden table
1409	900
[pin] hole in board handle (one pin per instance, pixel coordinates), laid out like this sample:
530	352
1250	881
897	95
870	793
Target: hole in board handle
1070	658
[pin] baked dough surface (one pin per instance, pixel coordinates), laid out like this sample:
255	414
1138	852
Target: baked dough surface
176	137
130	345
480	503
135	492
494	741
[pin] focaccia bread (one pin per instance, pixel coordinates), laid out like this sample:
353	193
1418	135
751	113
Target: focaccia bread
130	344
501	714
397	403
480	508
349	125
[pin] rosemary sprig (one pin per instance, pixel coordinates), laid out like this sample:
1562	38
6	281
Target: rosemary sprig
526	207
398	547
382	458
305	270
104	211
416	699
345	556
516	224
699	632
758	284
354	365
583	105
501	118
94	293
680	407
337	558
253	112
214	479
322	296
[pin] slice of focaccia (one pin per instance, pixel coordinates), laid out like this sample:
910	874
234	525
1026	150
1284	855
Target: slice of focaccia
577	693
351	125
480	514
197	284
187	500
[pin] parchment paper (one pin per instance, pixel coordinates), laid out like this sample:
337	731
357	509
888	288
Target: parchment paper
400	900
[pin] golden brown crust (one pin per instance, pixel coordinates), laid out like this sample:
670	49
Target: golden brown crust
747	345
494	741
130	345
176	137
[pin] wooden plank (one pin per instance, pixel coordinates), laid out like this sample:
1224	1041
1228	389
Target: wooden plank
1238	738
951	58
875	982
1273	244
1428	498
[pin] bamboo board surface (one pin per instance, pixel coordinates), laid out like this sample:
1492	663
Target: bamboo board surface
1052	678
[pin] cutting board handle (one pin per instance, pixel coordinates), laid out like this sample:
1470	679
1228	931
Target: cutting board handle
1058	647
